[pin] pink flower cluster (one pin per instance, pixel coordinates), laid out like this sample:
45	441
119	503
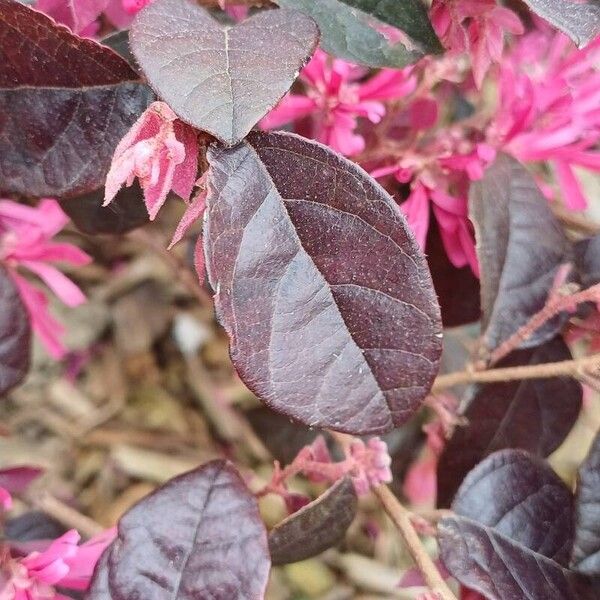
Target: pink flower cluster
549	107
335	97
368	465
26	244
62	563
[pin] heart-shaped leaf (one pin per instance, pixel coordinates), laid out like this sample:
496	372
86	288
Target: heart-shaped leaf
198	536
322	289
520	246
499	568
522	498
409	16
586	552
579	20
126	212
535	415
349	34
316	526
65	102
15	335
219	77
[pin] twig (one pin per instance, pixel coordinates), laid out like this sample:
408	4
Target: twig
65	514
571	368
555	305
402	519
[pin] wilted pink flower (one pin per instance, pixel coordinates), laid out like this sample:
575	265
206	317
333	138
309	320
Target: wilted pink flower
335	99
25	244
476	27
162	152
63	563
548	109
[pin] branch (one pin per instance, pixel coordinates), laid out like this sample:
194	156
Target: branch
571	368
402	519
557	304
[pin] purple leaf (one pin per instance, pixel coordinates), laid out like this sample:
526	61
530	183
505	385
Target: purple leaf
65	102
221	78
586	552
457	289
579	20
587	259
15	335
198	536
521	497
315	527
126	212
501	569
535	415
520	246
323	291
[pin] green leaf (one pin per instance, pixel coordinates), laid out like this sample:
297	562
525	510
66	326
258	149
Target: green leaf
410	16
348	33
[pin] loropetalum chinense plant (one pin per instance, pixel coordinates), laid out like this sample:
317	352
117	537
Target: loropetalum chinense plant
430	150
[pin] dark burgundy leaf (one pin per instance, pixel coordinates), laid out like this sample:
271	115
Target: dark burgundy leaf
457	289
33	526
282	437
521	497
126	212
587	259
323	291
119	42
579	20
219	77
198	536
315	527
15	335
520	246
65	102
586	552
501	569
535	415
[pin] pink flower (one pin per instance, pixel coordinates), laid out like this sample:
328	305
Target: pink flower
372	464
477	27
335	100
25	244
432	171
548	109
63	563
162	152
